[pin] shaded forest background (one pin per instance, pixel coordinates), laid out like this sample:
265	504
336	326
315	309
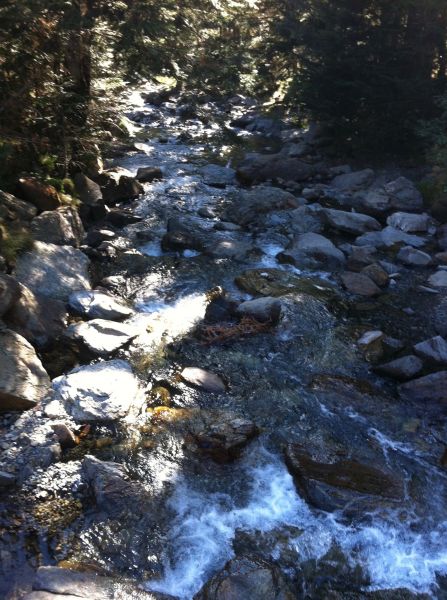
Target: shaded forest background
373	72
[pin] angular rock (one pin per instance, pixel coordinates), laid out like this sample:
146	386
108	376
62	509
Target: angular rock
389	237
404	195
9	293
95	237
106	391
118	185
352	182
41	195
13	209
374	202
360	257
65	436
246	578
349	222
262	309
306	219
403	368
93	304
438	279
433	350
431	388
224	441
39	319
314	251
412	257
149	174
248	206
204	380
100	336
54	271
371	344
276	282
23	380
317	481
360	284
409	222
218	176
90	194
62	227
377	274
257	168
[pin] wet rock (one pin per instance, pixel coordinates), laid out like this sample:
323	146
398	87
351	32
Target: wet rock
412	257
360	284
317	481
118	185
360	257
229	248
204	380
438	279
224	441
114	492
106	391
90	194
352	182
349	222
371	344
406	367
62	227
13	209
313	251
244	578
433	350
149	174
41	195
186	234
23	380
247	207
431	388
267	309
389	236
377	274
6	480
225	226
95	237
276	282
9	293
94	304
38	318
53	271
218	176
101	337
257	168
410	222
404	196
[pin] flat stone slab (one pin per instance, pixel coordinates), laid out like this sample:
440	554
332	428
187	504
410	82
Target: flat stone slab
106	391
94	304
100	336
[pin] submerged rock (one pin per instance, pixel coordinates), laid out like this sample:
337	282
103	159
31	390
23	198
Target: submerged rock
276	282
23	380
317	481
54	271
224	441
100	336
94	304
247	578
204	380
106	391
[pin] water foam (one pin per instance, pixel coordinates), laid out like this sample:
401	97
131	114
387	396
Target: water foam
391	553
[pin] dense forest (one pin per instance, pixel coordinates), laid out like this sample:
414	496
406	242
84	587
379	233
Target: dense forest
223	299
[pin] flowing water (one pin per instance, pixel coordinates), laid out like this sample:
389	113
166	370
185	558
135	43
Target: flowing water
305	383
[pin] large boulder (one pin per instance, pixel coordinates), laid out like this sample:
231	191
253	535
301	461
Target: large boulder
23	380
106	391
218	176
53	271
101	337
9	293
325	484
149	174
431	388
388	237
41	195
404	196
403	368
257	168
349	222
247	578
433	350
410	222
62	226
313	251
94	304
92	201
247	207
400	194
13	209
118	185
352	182
38	318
